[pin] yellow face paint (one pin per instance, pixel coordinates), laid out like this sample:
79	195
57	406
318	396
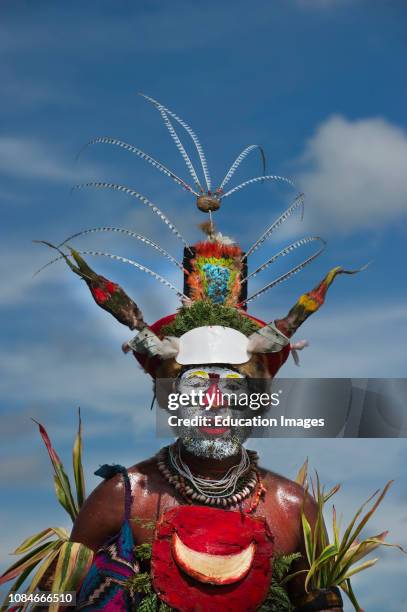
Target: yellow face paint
200	373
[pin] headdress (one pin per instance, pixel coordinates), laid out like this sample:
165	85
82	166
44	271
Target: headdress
212	325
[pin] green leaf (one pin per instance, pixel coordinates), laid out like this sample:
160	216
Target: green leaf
77	464
302	474
31	558
360	568
14	588
148	604
39	574
335	528
143	551
282	564
370	513
347	588
61	497
328	552
32	540
74	561
61	477
351	533
345	540
306	527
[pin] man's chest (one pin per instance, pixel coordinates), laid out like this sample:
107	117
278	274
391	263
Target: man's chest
282	521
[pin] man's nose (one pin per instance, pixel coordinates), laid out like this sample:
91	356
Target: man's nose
214	397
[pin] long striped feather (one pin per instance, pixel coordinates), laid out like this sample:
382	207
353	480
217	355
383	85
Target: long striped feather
136	265
286	251
117	258
126	232
191	133
298	202
180	148
239	160
267	177
285	276
143	199
142	155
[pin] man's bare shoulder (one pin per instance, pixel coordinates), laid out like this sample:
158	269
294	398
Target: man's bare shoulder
144	468
285	490
141	475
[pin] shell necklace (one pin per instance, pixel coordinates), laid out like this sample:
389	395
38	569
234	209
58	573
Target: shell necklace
238	483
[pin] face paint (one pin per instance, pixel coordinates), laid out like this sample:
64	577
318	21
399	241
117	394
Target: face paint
213	385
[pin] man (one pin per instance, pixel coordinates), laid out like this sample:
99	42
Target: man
208	467
216	520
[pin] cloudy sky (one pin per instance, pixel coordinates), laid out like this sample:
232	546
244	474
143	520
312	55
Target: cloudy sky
318	83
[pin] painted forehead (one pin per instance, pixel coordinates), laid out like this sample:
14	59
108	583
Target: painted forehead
203	371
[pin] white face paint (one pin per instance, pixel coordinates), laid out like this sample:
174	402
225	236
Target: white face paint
214	383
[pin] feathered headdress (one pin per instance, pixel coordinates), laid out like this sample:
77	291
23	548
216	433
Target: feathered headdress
212	325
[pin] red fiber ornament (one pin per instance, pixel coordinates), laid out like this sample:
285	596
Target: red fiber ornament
99	295
209	559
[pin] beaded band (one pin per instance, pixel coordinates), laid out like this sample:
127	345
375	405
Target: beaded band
248	482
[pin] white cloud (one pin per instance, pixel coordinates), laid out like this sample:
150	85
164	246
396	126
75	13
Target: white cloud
354	174
32	159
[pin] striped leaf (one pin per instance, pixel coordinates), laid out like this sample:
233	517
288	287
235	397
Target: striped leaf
328	552
77	465
74	561
35	581
16	585
302	474
62	484
31	558
32	540
309	548
347	588
39	537
360	568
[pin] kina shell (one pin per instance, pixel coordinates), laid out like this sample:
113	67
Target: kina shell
217	532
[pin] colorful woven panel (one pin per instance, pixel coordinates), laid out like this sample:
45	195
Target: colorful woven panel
104	587
214	271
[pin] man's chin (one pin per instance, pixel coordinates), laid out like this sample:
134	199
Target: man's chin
212	446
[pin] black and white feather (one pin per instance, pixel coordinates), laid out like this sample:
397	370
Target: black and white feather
237	163
126	232
298	203
141	198
286	251
286	276
142	155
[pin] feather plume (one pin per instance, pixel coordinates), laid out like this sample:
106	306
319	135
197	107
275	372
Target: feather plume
267	177
298	203
239	160
143	199
285	276
191	133
142	155
119	230
288	249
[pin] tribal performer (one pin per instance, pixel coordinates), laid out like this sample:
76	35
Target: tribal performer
220	520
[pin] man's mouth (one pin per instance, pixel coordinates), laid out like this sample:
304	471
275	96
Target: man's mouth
211	429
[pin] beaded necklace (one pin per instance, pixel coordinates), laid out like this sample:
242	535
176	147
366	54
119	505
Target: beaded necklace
238	483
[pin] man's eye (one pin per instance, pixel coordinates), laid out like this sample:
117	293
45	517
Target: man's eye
234	385
196	381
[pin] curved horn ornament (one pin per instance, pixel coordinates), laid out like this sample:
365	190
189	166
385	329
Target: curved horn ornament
268	339
310	302
147	342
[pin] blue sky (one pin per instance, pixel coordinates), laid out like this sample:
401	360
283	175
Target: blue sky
319	84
